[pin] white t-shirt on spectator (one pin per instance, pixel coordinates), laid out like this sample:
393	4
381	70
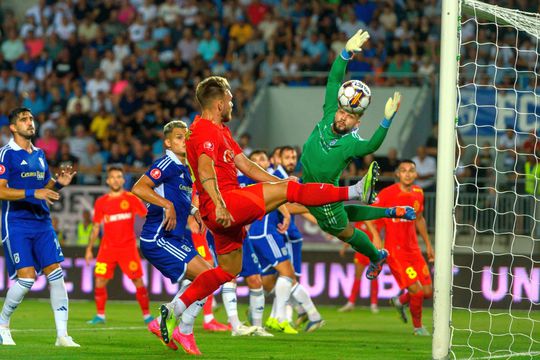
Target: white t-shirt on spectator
136	32
65	31
110	68
83	100
427	166
94	86
148	12
169	13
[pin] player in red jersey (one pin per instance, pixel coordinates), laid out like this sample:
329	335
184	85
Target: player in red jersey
226	208
406	261
360	263
116	211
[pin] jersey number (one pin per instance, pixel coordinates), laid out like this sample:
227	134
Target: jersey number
101	268
411	272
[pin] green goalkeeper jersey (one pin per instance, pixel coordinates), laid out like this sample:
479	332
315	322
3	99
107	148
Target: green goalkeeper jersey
326	154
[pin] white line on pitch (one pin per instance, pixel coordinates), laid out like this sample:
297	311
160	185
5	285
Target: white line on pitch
84	329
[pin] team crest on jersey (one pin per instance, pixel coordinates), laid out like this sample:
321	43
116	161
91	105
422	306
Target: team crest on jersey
208	146
2	169
124	205
155	173
228	156
333	142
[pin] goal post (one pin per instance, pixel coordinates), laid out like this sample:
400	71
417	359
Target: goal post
444	225
487	231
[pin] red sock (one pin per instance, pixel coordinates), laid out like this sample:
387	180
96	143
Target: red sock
205	284
100	295
416	301
207	307
404	298
315	194
144	301
355	291
374	291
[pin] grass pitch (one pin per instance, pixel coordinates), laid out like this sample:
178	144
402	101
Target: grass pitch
355	335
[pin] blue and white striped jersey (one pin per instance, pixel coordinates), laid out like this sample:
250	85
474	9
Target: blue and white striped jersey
293	233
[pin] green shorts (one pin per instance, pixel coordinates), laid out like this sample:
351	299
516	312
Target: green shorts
332	218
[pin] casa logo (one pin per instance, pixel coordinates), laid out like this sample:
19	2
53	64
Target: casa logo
228	156
208	146
39	175
187	189
2	169
133	266
155	173
124	205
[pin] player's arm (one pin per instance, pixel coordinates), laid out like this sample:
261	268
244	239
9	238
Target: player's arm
144	190
376	237
90	248
253	170
282	228
208	179
421	226
337	73
63	178
12	194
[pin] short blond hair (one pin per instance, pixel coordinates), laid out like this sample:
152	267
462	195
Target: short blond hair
211	88
173	124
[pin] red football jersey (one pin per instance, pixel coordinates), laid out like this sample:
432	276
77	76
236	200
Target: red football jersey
217	142
118	216
400	233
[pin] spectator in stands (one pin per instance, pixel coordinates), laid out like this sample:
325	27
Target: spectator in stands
432	141
426	167
90	165
508	145
78	98
389	162
78	143
49	144
13	47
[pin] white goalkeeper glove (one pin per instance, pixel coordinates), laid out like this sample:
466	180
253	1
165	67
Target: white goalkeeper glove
354	44
390	109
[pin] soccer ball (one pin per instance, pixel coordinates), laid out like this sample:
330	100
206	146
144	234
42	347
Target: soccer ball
354	96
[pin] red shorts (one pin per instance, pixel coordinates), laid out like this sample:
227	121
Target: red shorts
408	269
201	245
128	259
245	205
361	259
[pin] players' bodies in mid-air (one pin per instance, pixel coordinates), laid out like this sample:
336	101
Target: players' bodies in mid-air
406	261
333	144
116	210
226	208
30	244
166	187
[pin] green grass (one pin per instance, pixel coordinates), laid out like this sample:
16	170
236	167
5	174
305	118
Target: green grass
355	335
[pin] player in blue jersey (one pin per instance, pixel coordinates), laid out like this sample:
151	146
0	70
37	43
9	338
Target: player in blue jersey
30	244
166	187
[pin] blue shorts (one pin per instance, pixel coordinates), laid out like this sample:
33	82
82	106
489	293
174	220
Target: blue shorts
295	251
170	256
31	249
250	262
270	250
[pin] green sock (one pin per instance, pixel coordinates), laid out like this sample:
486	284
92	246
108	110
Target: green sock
360	243
363	212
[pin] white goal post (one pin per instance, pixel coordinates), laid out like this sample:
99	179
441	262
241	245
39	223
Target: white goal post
490	99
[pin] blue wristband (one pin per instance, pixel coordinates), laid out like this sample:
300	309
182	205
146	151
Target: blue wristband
58	186
385	123
346	55
29	193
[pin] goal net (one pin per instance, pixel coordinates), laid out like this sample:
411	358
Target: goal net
495	294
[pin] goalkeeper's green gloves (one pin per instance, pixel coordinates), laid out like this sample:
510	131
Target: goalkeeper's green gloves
354	44
390	109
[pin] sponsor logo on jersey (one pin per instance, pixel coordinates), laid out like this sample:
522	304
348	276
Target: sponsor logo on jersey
208	146
155	173
39	175
24	162
185	188
2	169
124	205
228	156
118	217
416	206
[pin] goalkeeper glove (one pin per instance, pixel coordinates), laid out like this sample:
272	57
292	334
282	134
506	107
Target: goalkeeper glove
354	44
390	109
405	212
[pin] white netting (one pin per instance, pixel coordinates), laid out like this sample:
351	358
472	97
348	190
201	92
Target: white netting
496	288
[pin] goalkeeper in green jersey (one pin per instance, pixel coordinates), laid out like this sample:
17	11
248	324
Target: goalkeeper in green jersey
328	151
